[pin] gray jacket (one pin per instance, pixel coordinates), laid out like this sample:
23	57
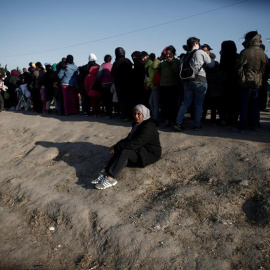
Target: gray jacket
200	60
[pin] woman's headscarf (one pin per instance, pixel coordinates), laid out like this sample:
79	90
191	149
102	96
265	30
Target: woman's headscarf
120	52
14	72
92	57
145	111
146	115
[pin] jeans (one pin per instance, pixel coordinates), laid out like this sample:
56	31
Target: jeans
249	111
192	90
154	103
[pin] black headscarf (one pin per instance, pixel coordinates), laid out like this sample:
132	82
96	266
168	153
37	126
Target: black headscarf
120	52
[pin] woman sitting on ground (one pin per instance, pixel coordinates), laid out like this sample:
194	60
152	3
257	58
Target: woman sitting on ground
140	148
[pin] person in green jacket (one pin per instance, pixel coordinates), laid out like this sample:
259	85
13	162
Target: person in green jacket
149	73
170	86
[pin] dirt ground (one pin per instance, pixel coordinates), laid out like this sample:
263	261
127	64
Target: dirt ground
204	205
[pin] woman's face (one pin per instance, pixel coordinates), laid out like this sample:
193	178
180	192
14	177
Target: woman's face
169	55
196	46
138	116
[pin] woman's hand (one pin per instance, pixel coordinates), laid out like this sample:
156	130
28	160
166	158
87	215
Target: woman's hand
112	151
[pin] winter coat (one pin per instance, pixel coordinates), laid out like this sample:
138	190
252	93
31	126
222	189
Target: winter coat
122	73
170	72
145	141
149	72
104	73
89	82
251	64
38	78
50	78
69	75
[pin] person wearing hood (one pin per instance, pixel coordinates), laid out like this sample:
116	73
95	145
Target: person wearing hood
92	85
68	76
231	101
122	73
250	66
140	148
138	76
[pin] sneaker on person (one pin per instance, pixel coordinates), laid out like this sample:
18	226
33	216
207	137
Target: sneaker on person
98	180
196	128
238	130
178	127
105	183
84	114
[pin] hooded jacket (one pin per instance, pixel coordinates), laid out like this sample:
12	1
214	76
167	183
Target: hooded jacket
251	63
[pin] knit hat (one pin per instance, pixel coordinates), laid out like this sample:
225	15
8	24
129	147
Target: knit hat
92	57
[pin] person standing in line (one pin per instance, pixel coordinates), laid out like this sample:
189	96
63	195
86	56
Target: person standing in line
122	73
251	67
92	85
68	76
231	102
2	103
170	86
38	81
12	81
104	75
148	78
138	76
50	79
195	88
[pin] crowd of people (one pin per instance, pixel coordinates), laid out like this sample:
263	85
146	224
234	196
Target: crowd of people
234	89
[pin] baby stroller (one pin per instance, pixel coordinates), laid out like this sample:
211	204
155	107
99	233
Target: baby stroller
23	95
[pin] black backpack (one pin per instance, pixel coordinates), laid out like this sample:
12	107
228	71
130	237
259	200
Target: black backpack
187	73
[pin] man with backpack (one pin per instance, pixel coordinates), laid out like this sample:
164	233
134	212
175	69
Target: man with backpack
193	75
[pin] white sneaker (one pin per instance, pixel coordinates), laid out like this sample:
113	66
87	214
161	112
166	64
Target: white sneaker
105	183
98	180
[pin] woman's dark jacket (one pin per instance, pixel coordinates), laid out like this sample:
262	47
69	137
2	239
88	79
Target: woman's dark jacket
122	73
145	141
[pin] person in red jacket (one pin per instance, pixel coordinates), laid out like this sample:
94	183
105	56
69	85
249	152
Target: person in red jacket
92	87
104	75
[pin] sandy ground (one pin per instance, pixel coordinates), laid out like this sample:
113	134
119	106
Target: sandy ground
204	205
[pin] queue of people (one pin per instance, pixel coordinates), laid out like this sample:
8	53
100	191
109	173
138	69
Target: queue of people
234	89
